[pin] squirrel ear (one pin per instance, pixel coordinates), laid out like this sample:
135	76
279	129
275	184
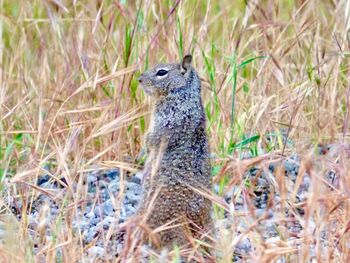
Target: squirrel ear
186	61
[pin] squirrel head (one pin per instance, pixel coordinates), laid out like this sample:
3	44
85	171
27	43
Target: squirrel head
163	78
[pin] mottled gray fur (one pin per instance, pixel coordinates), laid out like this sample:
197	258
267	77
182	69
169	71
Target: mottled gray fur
178	153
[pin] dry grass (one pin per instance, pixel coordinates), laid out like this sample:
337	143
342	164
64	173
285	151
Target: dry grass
69	99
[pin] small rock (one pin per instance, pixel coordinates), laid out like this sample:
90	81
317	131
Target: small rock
43	179
112	175
96	251
91	179
138	177
114	187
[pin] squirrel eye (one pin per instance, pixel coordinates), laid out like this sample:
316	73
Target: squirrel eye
162	72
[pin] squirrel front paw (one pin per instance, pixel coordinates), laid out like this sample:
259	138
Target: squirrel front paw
154	140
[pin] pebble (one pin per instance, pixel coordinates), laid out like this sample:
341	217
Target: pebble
96	251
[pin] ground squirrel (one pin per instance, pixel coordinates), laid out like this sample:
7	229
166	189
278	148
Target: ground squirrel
178	138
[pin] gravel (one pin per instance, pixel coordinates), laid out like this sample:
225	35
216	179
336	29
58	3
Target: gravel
100	214
262	185
95	217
